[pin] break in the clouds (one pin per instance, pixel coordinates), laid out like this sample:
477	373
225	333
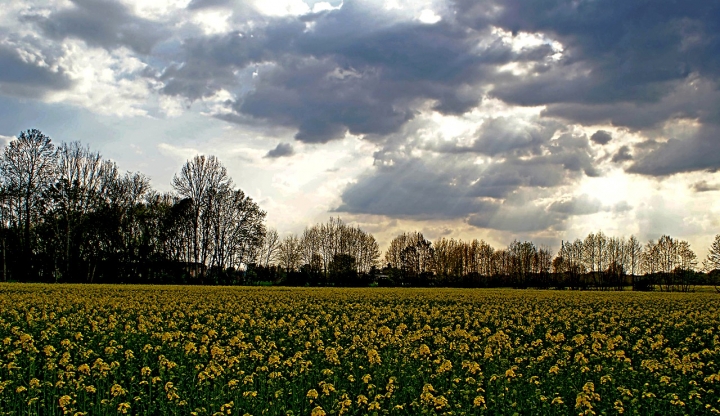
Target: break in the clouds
498	115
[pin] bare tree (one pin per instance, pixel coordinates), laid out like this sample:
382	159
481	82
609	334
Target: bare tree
712	262
310	244
650	258
238	229
685	267
199	180
270	247
412	254
290	253
634	255
28	168
615	266
571	262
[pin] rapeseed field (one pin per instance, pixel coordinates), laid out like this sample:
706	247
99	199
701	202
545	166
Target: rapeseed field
159	350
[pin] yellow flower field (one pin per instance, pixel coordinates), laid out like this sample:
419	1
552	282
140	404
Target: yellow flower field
95	350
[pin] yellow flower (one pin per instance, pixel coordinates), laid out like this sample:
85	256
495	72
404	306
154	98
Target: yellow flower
312	394
444	367
117	390
65	400
123	408
317	411
374	357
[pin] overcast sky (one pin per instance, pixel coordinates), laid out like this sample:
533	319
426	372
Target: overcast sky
540	120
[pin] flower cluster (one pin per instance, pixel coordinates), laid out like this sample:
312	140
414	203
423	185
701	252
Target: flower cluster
164	350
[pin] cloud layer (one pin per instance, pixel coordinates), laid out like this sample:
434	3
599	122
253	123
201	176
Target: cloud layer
492	113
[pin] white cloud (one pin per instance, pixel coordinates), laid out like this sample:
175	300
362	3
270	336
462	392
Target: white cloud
429	17
5	140
212	22
324	6
282	7
104	82
156	9
178	153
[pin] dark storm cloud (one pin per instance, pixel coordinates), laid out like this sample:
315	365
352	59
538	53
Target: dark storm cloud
21	78
349	70
633	64
281	150
322	107
103	23
698	152
601	137
694	99
629	48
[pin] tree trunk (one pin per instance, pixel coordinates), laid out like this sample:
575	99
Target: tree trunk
4	259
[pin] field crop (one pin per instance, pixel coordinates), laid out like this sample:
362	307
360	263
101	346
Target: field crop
148	350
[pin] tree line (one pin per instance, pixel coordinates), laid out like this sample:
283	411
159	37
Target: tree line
68	215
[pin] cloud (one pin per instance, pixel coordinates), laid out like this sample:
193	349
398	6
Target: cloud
484	112
281	150
693	98
349	70
581	205
523	219
106	24
5	140
620	207
704	186
415	188
27	72
609	54
601	137
502	135
698	152
622	155
451	185
203	4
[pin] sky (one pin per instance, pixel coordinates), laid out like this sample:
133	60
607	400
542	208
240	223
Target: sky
493	119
